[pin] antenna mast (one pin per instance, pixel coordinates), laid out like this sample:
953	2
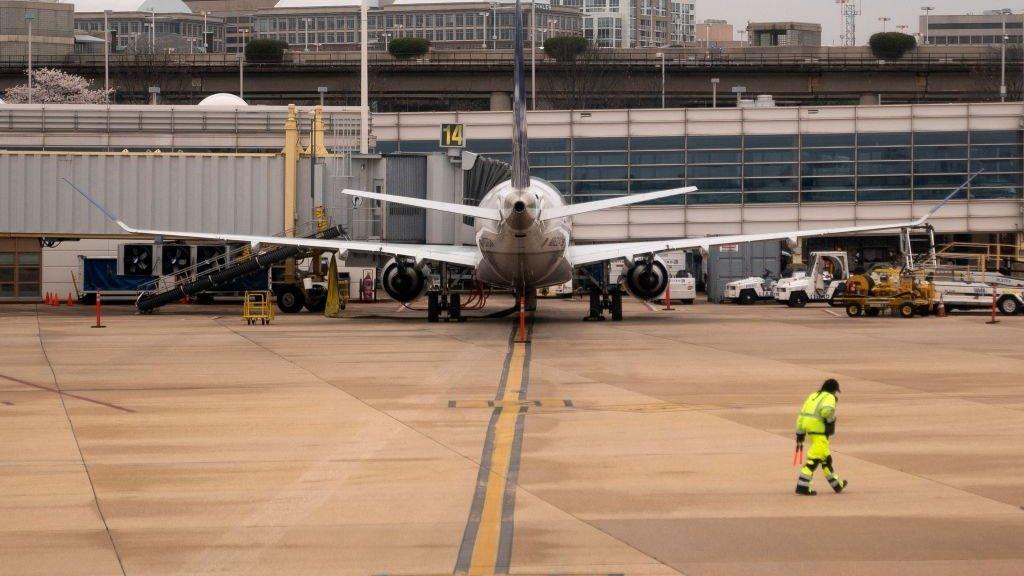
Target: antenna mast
850	10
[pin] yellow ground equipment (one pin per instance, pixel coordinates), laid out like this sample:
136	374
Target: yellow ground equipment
257	307
888	288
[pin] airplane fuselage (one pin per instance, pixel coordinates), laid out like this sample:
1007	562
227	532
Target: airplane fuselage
521	250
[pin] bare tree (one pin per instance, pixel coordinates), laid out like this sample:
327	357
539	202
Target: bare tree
594	80
987	76
132	73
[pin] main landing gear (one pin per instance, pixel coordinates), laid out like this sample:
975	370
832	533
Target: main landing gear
447	305
602	299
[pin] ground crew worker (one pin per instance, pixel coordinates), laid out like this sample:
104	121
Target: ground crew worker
817	419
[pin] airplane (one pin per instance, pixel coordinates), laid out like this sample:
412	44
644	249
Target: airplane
523	233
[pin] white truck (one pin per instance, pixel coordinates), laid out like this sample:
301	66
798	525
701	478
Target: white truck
825	280
963	294
750	290
681	288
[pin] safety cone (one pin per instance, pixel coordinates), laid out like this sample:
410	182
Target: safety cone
940	309
46	298
56	300
70	301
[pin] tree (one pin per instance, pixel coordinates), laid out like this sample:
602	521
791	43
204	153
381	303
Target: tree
565	48
51	86
408	47
265	50
891	45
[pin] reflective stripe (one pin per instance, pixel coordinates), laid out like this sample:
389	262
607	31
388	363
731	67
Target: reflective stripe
804	483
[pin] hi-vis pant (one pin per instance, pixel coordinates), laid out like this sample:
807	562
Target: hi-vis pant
819	455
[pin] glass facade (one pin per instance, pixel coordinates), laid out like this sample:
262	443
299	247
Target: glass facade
759	169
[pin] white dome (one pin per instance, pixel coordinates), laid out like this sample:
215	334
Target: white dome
223	99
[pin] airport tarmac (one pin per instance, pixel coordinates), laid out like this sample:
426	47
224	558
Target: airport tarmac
187	442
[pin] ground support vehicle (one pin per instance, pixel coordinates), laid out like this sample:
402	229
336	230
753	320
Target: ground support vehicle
750	290
680	289
824	282
888	288
257	307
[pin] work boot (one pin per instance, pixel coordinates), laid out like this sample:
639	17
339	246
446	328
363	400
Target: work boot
805	491
838	485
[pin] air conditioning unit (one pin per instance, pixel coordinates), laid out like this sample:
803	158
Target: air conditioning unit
211	257
175	258
136	259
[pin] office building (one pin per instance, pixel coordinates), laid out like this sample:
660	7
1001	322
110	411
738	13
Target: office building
52	28
977	29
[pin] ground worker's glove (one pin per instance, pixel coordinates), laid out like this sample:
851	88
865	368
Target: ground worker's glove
830	428
799	439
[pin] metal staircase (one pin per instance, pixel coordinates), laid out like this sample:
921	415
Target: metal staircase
220	270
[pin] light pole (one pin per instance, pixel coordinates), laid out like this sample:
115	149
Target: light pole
387	37
152	31
662	56
485	15
243	31
902	28
1003	57
322	90
106	55
533	54
494	25
924	34
305	46
29	17
241	75
206	31
883	20
714	92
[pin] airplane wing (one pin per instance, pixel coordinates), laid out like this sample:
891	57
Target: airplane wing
461	255
463	209
588	254
584	207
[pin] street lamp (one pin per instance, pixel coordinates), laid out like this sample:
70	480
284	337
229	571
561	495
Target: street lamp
322	90
662	56
924	34
152	31
902	28
494	25
305	46
29	17
714	92
883	20
486	15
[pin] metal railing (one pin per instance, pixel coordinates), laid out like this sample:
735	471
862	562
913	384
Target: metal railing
675	57
341	123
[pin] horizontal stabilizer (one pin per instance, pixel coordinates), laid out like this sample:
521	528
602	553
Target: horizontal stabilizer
464	210
584	207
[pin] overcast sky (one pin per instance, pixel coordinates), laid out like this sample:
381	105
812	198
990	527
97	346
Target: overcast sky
826	13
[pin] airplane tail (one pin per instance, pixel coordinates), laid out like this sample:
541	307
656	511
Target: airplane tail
520	155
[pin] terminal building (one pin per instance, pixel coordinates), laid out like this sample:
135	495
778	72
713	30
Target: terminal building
757	170
159	26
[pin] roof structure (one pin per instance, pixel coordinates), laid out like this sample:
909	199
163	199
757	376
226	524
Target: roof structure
222	99
158	6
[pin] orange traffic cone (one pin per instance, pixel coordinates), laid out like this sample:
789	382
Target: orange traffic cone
46	298
56	299
940	309
70	301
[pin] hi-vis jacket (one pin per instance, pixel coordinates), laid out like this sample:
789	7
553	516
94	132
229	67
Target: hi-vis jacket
819	409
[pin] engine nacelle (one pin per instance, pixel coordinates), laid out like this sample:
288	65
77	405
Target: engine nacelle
647	278
405	282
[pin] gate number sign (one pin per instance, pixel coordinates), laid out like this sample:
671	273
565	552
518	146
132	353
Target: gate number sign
452	136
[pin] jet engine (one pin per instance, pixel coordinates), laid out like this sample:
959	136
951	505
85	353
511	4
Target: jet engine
647	278
405	281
